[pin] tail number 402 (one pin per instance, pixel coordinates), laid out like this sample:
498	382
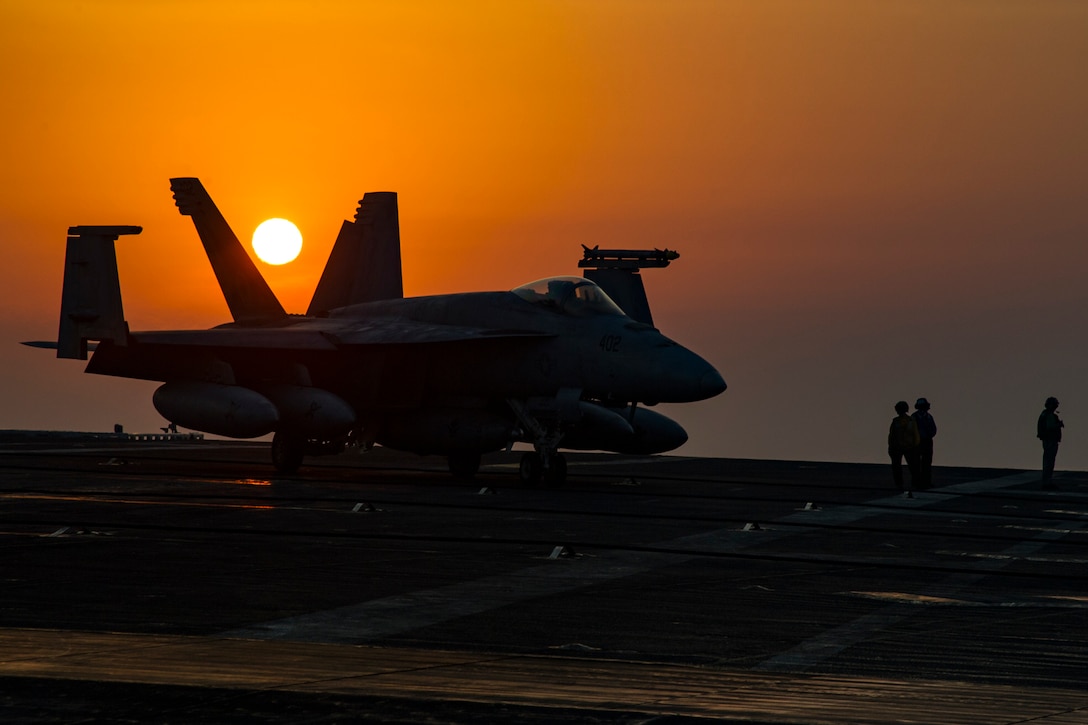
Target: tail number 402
611	343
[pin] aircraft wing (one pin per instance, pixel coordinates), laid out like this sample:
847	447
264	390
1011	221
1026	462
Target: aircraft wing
408	332
364	333
286	338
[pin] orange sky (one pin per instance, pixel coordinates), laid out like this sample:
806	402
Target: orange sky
872	201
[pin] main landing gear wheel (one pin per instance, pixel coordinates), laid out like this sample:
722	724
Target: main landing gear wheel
287	453
464	465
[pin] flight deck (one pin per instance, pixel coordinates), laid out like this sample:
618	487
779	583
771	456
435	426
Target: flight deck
183	581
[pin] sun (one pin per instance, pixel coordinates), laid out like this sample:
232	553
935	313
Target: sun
277	241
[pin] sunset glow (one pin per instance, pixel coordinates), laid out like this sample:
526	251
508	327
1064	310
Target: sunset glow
872	201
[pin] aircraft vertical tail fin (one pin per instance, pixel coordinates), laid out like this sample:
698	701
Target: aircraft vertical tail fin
338	277
364	265
90	303
378	276
248	296
616	271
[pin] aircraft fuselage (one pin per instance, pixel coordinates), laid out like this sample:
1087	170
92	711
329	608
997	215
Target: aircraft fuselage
606	357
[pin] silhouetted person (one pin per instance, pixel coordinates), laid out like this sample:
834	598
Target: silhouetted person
1049	431
927	431
903	443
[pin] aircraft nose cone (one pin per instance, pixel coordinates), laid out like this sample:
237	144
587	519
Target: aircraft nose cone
711	384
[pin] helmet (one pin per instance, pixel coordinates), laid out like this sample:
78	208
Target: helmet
901	407
921	404
1051	403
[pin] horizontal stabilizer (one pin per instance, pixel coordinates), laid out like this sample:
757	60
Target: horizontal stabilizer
50	345
248	296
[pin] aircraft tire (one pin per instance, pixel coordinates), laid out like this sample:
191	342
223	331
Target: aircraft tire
464	464
556	474
287	453
530	468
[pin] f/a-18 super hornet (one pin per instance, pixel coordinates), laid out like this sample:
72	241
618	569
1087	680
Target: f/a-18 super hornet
556	363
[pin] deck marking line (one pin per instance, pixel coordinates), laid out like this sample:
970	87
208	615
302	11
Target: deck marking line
389	616
817	649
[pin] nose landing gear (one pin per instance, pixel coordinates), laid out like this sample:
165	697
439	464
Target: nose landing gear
545	463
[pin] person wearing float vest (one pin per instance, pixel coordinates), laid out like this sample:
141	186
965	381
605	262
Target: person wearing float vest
927	431
903	440
1049	431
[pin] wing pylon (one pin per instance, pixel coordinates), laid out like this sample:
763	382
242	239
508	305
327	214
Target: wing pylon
616	271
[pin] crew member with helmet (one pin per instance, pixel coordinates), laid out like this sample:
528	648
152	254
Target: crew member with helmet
903	440
927	431
1049	431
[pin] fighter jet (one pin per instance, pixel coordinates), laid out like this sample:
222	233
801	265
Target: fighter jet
555	363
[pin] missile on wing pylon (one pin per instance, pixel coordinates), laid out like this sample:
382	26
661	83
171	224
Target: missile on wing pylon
616	271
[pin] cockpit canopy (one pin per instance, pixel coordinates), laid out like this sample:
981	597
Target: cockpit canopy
576	296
